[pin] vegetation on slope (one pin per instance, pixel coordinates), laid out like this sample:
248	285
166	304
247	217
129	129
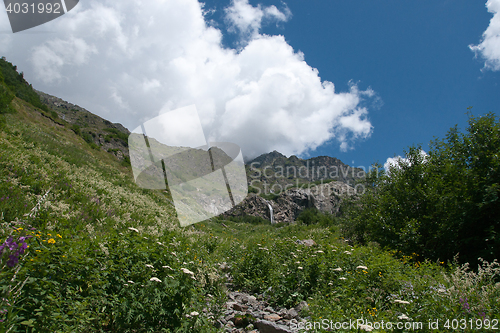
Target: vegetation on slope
437	205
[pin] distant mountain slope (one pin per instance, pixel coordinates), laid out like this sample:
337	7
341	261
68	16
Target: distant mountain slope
274	172
110	137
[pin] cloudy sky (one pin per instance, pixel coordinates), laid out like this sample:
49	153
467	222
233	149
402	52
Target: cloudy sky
358	80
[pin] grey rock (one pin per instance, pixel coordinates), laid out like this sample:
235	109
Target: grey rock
291	314
272	317
301	305
240	307
308	242
265	326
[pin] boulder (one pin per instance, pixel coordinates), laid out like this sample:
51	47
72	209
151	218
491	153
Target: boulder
265	326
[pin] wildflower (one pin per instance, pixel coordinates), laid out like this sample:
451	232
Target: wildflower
465	304
338	269
168	267
194	313
150	266
133	229
347	252
155	279
319	251
51	241
403	317
13	260
131	282
187	271
362	267
299	267
342	278
401	302
59	236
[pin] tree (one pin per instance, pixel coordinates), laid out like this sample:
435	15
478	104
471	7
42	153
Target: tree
440	204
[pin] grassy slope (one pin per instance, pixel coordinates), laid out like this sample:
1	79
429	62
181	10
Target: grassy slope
81	252
75	275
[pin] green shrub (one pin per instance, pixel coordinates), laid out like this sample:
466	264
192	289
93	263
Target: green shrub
437	205
75	128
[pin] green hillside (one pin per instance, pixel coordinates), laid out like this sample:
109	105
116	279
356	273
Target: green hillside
84	249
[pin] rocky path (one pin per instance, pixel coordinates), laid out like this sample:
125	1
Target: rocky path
249	313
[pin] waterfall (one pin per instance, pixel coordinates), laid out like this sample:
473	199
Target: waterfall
270	210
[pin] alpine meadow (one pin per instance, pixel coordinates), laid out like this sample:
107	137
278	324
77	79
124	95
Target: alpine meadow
84	249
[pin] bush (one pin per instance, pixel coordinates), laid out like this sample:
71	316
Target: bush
75	128
312	215
18	85
440	204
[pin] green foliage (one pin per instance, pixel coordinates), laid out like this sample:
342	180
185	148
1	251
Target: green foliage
126	161
270	196
75	275
248	219
437	205
314	216
252	189
17	84
116	134
5	99
75	128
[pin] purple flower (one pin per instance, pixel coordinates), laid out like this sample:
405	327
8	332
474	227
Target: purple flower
465	304
13	260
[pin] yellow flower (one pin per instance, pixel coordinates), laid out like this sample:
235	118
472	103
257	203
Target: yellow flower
49	234
51	241
59	236
38	251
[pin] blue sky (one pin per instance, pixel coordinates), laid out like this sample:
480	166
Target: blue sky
358	80
413	54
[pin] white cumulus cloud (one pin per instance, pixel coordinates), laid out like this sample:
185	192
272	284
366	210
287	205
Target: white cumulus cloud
128	60
247	19
489	48
398	161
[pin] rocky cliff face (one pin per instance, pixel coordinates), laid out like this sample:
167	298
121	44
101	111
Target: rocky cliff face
274	172
289	204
